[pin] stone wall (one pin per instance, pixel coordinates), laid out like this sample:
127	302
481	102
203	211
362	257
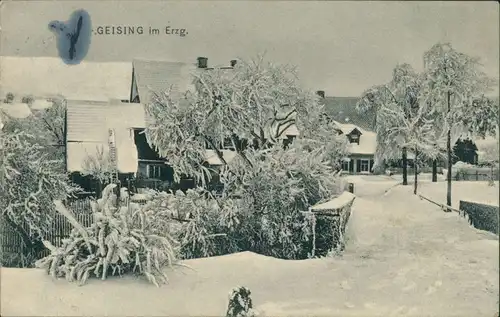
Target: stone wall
330	221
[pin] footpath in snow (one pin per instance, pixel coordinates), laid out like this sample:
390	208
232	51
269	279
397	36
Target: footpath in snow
404	257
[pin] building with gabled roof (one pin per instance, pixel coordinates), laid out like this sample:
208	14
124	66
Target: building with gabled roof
343	109
88	128
47	77
88	137
152	76
362	146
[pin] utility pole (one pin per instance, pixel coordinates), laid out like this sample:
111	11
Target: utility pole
448	148
65	135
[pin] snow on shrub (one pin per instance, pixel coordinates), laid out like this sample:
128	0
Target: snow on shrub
240	303
284	160
124	238
275	190
462	165
202	221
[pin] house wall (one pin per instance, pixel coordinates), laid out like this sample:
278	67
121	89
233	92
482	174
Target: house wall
142	171
355	164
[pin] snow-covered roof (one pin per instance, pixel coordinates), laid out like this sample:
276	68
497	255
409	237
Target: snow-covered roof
485	143
90	122
213	159
153	76
16	110
367	144
291	131
88	127
347	128
48	76
343	109
40	104
367	141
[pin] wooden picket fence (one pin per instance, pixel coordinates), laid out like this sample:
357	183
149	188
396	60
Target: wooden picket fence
477	175
12	243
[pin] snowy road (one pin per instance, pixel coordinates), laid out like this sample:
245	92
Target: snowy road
405	257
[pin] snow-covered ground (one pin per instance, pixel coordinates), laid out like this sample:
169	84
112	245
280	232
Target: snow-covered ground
462	190
405	257
371	185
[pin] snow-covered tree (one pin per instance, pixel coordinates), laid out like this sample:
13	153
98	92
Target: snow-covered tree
29	183
281	184
489	153
400	116
99	166
251	107
51	120
9	98
253	104
455	84
415	129
123	239
29	99
46	126
240	303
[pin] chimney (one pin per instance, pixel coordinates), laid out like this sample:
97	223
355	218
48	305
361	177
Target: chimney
233	62
202	62
321	93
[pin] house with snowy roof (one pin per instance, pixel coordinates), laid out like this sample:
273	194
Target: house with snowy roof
362	141
101	130
362	145
50	77
151	77
343	110
93	126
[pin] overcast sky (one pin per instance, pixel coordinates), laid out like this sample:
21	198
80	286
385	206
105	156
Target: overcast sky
340	47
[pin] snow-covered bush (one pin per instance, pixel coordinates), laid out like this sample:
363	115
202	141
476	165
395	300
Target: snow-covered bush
124	238
274	193
202	222
462	165
98	166
256	106
240	303
261	208
29	181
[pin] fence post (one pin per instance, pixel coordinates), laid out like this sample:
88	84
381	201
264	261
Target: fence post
351	188
477	175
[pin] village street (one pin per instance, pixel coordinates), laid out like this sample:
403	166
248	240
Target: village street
404	257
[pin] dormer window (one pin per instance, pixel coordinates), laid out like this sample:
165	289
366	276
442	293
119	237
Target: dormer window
354	138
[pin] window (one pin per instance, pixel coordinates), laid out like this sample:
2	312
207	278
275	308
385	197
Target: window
288	141
154	171
345	166
354	138
208	146
228	144
365	166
